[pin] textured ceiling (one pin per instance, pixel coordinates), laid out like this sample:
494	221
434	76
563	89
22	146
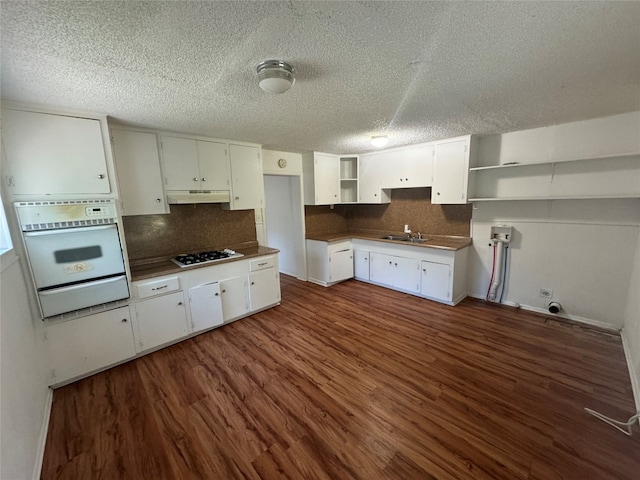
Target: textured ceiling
417	71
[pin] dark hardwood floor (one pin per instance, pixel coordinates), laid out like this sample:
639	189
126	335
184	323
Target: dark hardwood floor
356	382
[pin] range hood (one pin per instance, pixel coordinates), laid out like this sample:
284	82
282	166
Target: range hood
198	196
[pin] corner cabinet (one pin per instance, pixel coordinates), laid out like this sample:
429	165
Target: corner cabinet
54	154
329	262
321	177
451	170
138	170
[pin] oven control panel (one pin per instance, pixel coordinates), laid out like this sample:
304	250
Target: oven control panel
94	211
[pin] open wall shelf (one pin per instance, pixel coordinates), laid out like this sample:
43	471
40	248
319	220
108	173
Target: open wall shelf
606	177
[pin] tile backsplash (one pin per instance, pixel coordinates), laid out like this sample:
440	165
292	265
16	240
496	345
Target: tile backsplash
189	228
410	206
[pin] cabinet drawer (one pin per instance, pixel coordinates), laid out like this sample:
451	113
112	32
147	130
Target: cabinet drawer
260	264
158	287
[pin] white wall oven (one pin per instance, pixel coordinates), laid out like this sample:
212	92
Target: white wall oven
74	253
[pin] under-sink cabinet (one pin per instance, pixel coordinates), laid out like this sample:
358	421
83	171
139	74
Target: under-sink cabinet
397	272
433	273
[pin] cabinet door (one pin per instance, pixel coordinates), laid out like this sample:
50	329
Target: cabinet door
407	274
80	346
264	288
450	173
235	298
392	171
180	160
418	166
213	162
340	265
436	280
54	154
361	264
327	179
139	176
161	320
381	268
206	306
247	191
369	180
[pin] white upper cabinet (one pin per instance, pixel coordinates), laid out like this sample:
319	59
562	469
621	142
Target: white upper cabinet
451	171
369	180
139	176
321	175
54	154
215	171
195	164
407	167
247	191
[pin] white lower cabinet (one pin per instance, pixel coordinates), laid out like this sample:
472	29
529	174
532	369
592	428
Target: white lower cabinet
329	262
235	297
432	273
160	320
80	346
264	288
361	264
436	281
397	272
206	306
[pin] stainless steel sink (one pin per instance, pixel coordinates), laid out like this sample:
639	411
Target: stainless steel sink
396	237
404	238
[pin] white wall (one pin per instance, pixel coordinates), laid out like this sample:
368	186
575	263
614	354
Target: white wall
24	396
581	249
631	330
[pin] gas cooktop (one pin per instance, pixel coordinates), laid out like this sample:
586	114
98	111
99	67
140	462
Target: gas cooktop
188	259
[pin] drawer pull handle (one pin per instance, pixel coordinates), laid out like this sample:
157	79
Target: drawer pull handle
262	264
179	303
124	320
160	288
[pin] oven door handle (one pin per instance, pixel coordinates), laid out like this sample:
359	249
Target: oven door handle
68	230
80	286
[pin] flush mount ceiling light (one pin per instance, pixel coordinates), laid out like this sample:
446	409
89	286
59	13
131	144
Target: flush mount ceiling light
379	141
275	76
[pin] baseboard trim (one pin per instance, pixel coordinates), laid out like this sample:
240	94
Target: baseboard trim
573	318
42	441
635	387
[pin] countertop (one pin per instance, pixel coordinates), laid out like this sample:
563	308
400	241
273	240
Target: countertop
156	267
442	242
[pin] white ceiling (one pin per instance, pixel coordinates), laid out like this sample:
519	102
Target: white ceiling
417	71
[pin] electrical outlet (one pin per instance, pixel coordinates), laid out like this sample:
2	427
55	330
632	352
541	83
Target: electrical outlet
546	293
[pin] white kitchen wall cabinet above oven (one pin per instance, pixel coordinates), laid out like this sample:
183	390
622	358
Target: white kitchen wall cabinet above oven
138	169
51	154
321	177
195	164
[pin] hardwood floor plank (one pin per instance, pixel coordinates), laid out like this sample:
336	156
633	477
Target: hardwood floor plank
356	382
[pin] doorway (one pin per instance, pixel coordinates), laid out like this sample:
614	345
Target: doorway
284	214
